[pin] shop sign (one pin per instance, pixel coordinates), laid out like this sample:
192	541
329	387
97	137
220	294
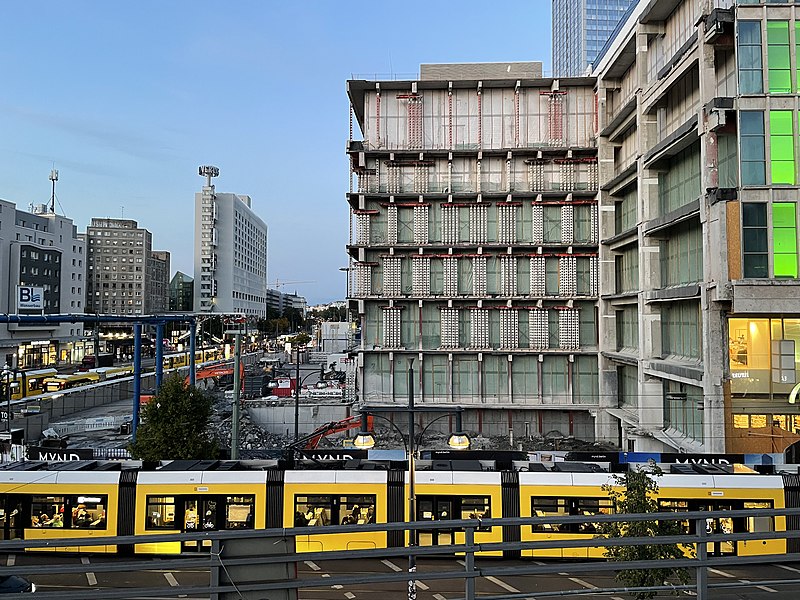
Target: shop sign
59	454
30	297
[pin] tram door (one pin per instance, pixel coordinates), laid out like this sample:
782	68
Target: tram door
434	508
11	524
199	514
720	525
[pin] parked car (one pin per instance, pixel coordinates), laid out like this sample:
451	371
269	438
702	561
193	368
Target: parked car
14	584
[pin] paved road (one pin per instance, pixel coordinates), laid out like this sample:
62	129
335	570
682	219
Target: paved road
150	575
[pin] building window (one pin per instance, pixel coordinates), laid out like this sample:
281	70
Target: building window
754	240
781	141
680	330
784	239
749	55
751	132
778	61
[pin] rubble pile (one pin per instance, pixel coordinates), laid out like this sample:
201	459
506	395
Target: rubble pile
253	437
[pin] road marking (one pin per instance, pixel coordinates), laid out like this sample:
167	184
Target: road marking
392	566
171	579
336	587
326	574
787	567
12	558
89	575
585	584
312	565
349	595
761	587
723	573
438	597
503	584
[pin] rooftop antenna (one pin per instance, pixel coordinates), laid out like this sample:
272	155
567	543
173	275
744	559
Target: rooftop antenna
53	178
123	211
208	172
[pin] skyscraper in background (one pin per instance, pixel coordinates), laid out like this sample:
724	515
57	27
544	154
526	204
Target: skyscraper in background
580	30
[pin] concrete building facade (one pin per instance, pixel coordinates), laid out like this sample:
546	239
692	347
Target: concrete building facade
474	246
41	249
581	29
181	293
158	274
124	275
700	307
230	254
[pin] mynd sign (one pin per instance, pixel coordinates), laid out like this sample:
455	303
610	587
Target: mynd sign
30	297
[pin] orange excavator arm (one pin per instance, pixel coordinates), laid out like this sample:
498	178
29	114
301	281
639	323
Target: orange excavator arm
311	441
217	371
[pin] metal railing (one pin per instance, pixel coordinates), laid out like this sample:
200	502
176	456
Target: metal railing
221	561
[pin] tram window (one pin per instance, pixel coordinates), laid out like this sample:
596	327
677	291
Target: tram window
476	507
589	507
160	512
315	510
47	511
675	506
549	507
759	524
356	510
87	511
239	512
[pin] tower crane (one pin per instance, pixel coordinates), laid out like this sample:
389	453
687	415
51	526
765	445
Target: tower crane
277	284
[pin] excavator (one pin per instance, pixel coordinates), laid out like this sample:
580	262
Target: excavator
216	371
312	440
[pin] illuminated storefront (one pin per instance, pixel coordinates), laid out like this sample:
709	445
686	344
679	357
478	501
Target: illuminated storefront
764	355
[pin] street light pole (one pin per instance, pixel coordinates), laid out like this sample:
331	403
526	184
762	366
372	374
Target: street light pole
297	395
412	498
8	401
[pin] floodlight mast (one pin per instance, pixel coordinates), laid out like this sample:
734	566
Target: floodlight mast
208	172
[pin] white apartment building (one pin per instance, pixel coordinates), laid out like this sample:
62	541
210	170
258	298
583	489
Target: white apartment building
230	254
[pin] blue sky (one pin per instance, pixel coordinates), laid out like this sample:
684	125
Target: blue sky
126	100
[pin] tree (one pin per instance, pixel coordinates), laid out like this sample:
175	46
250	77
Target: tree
635	493
301	339
175	424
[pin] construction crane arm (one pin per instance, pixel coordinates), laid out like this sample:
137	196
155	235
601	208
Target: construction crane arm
311	441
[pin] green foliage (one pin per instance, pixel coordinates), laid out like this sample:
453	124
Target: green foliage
175	424
331	313
635	493
301	339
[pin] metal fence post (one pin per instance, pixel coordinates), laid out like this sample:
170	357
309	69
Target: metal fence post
702	559
469	565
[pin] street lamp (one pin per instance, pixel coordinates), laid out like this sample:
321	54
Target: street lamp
8	371
458	440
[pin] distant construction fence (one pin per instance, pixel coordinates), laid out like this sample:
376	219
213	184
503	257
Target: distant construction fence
83	425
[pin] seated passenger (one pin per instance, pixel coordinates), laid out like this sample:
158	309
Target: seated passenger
57	521
35	521
82	518
99	522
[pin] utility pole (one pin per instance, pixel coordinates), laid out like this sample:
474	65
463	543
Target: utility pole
237	384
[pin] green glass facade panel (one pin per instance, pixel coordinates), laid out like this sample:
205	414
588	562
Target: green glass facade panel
784	239
781	141
778	59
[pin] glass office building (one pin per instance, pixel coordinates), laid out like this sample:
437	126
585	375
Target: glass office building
580	30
